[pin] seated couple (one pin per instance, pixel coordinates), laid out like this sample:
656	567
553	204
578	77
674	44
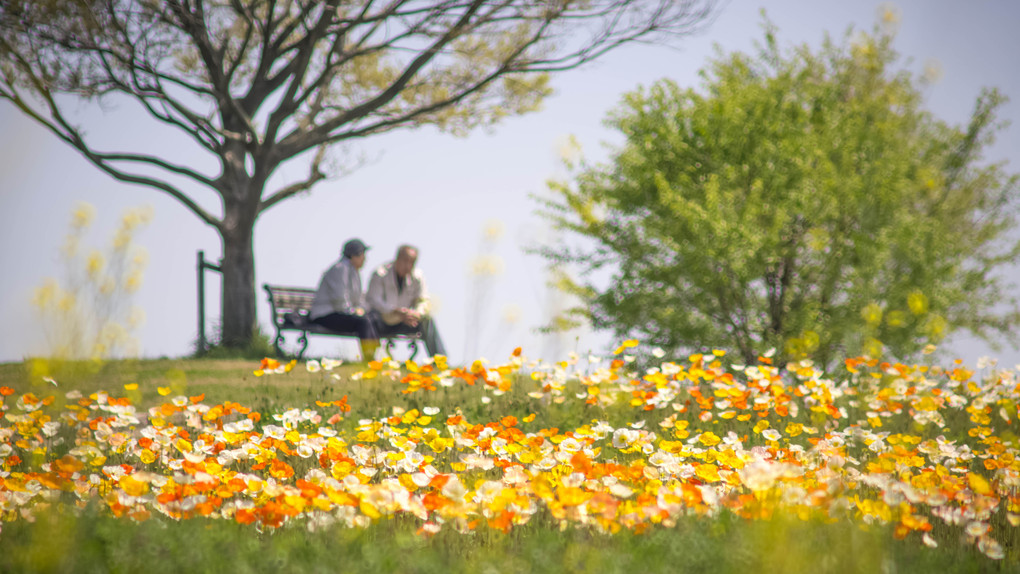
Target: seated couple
396	302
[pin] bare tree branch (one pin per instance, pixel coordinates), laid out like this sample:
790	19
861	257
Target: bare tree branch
315	175
303	141
67	133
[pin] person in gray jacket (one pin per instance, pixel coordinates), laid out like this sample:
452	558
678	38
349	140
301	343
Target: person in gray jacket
339	304
398	300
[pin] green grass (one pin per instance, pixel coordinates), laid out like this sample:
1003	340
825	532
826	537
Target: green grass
218	379
234	380
96	542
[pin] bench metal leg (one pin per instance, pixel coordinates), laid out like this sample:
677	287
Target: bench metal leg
277	342
412	345
304	344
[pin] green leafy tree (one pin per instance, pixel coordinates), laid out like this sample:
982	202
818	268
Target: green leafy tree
801	200
256	84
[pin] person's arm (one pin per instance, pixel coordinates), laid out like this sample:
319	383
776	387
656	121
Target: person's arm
340	293
375	297
421	303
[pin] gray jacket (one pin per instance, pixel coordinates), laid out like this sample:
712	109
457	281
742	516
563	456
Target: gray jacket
384	296
339	291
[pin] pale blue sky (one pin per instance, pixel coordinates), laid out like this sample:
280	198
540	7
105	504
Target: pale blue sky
442	190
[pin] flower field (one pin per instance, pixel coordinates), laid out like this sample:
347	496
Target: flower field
924	456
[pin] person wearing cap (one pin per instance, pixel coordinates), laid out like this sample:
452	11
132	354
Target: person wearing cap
398	300
339	304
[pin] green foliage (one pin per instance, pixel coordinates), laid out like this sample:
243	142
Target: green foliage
802	200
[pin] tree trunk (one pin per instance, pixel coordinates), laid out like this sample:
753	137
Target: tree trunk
238	267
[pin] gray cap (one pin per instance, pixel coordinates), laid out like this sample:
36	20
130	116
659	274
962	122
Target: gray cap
353	248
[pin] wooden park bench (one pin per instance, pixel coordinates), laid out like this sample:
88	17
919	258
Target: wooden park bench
290	307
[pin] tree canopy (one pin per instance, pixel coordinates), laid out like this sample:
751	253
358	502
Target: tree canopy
802	200
258	83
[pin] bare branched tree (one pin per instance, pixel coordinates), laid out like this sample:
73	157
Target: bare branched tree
257	83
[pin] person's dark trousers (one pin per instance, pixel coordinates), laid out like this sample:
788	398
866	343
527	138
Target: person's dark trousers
426	329
344	323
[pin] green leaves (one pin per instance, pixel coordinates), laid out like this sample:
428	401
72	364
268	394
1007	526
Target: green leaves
804	201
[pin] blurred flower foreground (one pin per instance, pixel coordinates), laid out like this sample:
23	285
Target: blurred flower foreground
927	452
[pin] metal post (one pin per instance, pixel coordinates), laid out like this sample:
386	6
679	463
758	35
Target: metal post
202	266
201	302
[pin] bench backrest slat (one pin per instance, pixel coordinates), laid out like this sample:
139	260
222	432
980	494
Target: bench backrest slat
286	300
